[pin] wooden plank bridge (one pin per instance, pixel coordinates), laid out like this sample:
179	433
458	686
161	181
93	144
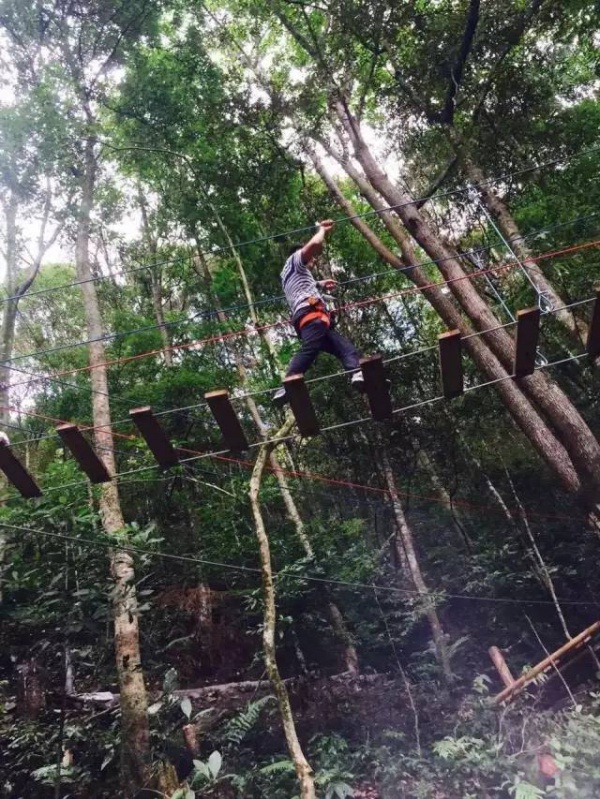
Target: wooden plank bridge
450	350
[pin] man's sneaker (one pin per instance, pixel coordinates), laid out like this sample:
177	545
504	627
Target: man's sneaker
280	397
357	381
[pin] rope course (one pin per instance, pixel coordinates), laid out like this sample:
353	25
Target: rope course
106	545
262	328
223	455
274	299
449	348
297	231
262	392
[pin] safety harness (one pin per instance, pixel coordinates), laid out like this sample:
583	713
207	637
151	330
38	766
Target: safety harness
317	311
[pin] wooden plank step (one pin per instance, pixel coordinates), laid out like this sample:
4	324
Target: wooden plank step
226	417
451	369
301	405
82	451
16	473
154	436
376	387
528	331
593	341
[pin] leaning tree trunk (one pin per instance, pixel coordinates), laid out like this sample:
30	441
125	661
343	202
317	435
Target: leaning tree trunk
521	410
16	286
510	230
569	425
412	560
135	741
303	770
573	432
427	465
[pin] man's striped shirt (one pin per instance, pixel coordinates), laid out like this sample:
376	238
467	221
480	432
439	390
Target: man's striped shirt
298	283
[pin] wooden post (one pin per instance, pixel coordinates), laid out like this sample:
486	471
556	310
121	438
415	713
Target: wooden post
154	436
301	405
528	331
376	386
16	473
593	341
225	416
450	353
546	663
501	666
82	451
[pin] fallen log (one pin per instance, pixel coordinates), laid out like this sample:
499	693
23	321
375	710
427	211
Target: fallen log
244	686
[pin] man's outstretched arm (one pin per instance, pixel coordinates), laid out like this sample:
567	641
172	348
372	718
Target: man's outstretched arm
314	247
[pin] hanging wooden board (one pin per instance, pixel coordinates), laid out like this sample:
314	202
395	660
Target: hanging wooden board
226	417
451	370
376	387
82	451
154	436
528	332
301	405
16	473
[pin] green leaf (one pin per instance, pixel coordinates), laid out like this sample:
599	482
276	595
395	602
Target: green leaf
186	707
215	761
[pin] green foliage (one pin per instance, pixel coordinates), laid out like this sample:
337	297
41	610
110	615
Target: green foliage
525	790
207	772
243	724
199	114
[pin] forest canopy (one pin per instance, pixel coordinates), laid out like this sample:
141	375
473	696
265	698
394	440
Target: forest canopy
383	594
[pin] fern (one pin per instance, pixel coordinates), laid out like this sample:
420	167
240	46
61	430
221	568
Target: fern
279	767
241	725
525	790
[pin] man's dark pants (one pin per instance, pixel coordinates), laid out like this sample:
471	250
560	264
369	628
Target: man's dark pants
317	337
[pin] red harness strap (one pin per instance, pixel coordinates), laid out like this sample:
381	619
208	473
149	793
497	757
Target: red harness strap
318	312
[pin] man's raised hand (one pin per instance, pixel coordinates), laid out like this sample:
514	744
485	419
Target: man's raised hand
326	225
329	285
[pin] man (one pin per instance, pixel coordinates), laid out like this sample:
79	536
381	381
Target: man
310	316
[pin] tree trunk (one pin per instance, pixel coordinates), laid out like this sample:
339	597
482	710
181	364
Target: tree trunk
304	772
17	284
155	279
16	288
571	428
31	697
539	563
509	228
574	433
412	559
135	731
427	465
9	317
523	413
339	626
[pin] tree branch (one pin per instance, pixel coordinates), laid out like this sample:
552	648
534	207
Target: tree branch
446	116
438	182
